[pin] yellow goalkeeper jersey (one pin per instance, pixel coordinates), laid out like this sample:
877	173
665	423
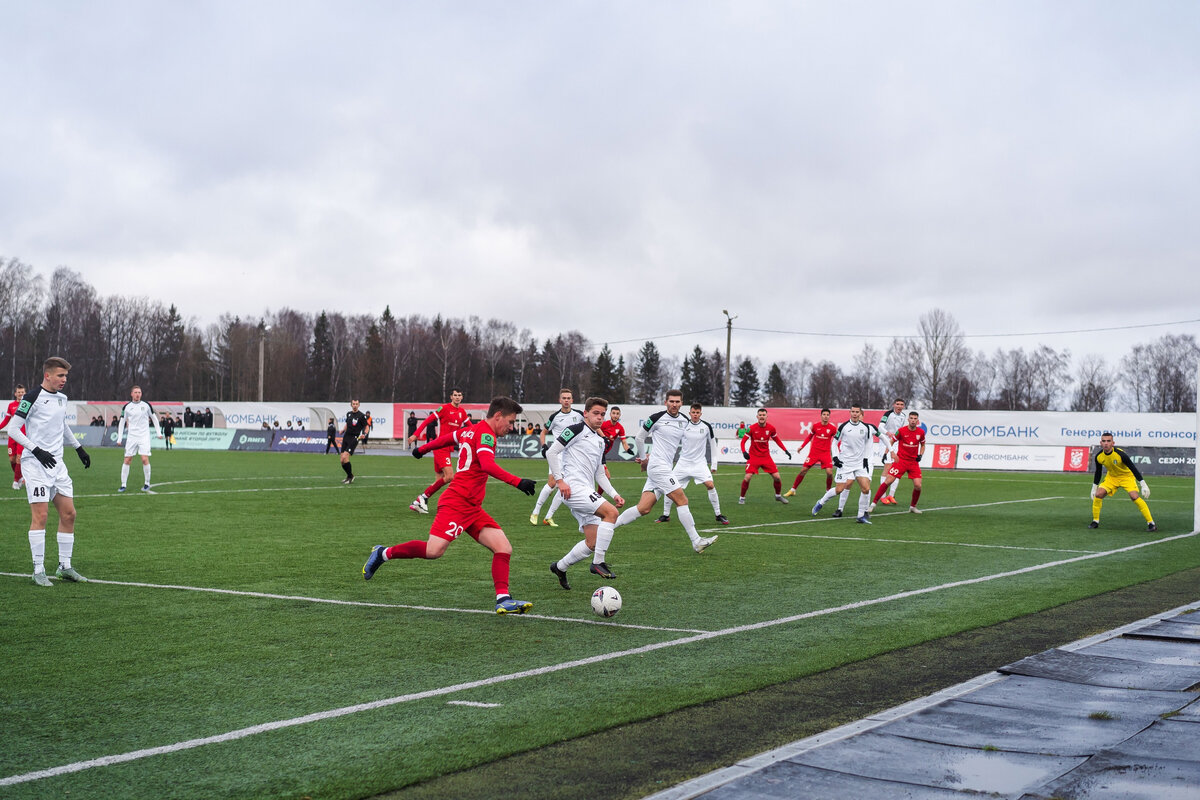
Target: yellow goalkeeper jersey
1119	465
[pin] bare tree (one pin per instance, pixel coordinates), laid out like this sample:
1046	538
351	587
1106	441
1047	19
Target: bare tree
1160	376
1094	392
942	354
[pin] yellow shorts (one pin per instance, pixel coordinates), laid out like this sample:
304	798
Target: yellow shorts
1111	484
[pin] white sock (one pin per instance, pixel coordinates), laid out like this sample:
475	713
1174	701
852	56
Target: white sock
66	544
124	474
543	496
716	501
892	489
842	498
146	472
578	553
688	522
864	502
604	537
554	504
37	547
628	516
667	506
825	497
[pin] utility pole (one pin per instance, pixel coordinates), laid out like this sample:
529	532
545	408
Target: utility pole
728	342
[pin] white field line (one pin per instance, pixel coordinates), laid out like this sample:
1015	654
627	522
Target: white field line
473	704
242	733
363	604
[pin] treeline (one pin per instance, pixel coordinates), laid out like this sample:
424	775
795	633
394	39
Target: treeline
114	342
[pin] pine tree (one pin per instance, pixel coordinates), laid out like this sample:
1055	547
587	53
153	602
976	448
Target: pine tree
694	381
604	381
320	361
647	375
775	390
745	385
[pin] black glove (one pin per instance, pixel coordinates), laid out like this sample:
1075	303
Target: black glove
417	452
527	486
789	454
545	447
84	457
866	463
47	460
746	456
919	457
837	462
629	450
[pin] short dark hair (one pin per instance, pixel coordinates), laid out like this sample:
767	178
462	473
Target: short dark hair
762	410
615	408
1106	433
19	386
900	400
697	406
592	402
914	414
674	393
56	362
568	391
503	405
826	411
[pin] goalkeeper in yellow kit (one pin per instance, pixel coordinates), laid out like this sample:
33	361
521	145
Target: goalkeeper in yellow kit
1122	474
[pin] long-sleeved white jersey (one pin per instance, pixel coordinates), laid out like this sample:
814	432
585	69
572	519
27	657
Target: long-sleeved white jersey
854	442
137	417
666	431
577	456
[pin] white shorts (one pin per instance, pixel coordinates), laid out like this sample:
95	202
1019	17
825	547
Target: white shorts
584	503
847	473
43	485
137	446
661	480
697	471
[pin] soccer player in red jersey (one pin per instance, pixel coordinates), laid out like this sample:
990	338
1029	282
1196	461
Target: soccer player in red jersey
821	437
449	418
461	507
910	446
613	431
756	447
14	448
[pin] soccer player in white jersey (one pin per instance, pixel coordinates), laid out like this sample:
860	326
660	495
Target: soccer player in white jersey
576	458
666	429
43	412
697	462
852	457
559	421
889	425
136	418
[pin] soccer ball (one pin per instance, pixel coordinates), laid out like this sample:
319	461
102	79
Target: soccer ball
606	601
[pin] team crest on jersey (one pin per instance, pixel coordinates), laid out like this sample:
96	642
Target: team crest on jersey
488	440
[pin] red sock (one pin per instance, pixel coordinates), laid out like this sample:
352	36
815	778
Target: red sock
778	484
745	486
916	496
413	549
500	563
799	478
883	487
433	487
828	482
17	470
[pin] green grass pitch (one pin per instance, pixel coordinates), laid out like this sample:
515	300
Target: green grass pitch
228	646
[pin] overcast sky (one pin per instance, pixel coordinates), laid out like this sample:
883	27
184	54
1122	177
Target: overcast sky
627	169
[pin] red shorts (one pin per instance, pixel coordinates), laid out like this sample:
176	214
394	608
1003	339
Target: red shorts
441	458
756	463
14	450
451	522
825	462
898	469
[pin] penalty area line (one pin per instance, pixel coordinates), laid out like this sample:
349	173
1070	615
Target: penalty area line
320	716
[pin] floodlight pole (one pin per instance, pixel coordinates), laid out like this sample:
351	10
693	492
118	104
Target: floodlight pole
728	342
